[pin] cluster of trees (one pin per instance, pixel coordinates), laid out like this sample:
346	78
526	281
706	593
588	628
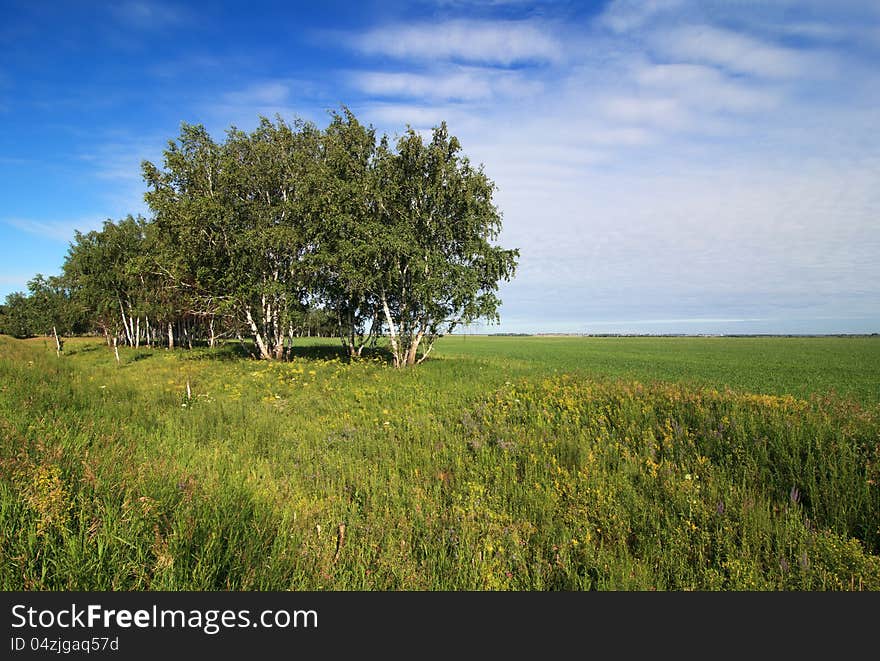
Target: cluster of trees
285	231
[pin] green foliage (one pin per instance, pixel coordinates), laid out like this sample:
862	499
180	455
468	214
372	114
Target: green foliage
438	267
268	224
282	231
46	309
18	317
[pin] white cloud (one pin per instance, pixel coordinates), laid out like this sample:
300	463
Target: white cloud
703	87
451	86
628	15
493	42
739	53
457	84
288	97
445	84
649	168
16	280
393	117
116	157
656	110
56	230
265	93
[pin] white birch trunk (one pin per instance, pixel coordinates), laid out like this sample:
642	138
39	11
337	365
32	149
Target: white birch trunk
125	324
425	355
258	338
392	331
414	348
58	342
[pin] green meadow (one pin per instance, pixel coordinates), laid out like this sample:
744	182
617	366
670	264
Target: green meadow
501	463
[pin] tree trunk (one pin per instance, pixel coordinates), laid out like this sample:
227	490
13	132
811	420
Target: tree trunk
170	336
414	348
258	338
392	332
116	348
59	343
137	334
125	324
291	333
425	355
278	330
212	339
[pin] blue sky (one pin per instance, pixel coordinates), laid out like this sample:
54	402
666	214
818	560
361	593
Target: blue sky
663	166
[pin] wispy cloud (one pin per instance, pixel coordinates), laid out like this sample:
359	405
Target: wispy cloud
394	116
447	84
739	53
270	92
287	97
492	42
628	15
149	15
736	233
659	111
677	163
707	87
15	280
56	230
116	157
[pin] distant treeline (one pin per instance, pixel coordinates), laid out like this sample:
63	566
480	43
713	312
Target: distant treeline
286	231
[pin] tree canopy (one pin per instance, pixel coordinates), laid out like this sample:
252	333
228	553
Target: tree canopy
285	229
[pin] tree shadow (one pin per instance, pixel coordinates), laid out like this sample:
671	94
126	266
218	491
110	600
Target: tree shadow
88	348
233	351
318	352
337	352
140	355
226	351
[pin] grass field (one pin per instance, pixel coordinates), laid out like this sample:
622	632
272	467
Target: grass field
504	463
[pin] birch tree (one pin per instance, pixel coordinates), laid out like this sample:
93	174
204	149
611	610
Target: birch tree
347	259
236	213
102	268
438	264
51	307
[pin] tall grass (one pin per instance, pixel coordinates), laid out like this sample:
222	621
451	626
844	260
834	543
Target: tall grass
471	473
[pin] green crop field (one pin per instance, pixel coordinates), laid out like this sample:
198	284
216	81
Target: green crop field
501	463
